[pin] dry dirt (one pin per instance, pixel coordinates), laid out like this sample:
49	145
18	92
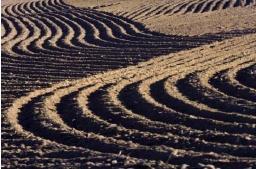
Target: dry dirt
128	84
183	17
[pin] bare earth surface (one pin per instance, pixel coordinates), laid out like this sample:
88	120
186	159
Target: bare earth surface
183	17
128	84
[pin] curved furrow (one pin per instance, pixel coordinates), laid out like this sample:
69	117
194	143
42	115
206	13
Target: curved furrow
4	32
52	6
97	106
99	109
122	116
64	31
57	41
247	76
4	12
46	34
58	5
134	101
22	34
43	109
60	92
49	43
40	32
173	104
67	41
104	34
120	30
68	32
203	93
103	6
170	116
107	33
28	9
225	82
195	108
79	38
34	7
7	31
93	34
131	122
44	6
15	10
22	10
46	119
62	101
70	36
132	28
22	46
9	10
18	24
87	51
109	37
46	31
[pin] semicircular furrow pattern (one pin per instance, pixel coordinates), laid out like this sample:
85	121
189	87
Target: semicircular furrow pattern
195	106
226	82
212	97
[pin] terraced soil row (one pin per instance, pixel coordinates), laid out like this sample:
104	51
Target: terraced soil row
63	105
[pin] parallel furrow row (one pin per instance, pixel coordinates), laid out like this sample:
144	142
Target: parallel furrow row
63	102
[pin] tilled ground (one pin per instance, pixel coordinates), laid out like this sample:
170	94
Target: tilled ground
88	89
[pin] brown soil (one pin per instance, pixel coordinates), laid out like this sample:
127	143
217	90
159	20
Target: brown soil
128	84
